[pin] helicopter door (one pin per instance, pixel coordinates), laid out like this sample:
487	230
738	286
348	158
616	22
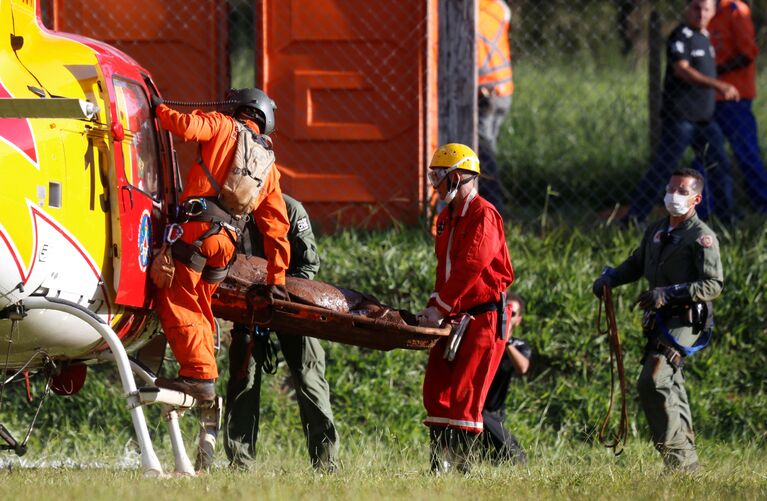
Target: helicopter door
138	191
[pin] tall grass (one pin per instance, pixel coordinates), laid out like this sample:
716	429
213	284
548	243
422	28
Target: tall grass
560	402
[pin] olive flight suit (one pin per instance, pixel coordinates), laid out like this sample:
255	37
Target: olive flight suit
304	356
689	255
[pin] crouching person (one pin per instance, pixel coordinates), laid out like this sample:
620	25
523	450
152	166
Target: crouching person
473	272
500	445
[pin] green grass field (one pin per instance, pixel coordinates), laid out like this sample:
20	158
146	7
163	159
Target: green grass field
376	396
370	471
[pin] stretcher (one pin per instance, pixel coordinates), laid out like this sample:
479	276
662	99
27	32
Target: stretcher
367	324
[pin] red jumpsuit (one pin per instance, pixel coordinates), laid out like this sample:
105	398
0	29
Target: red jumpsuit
185	307
473	268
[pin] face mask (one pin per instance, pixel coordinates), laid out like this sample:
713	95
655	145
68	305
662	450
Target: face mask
452	191
450	195
676	204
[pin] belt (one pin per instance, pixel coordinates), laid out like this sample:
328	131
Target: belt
208	210
484	308
673	356
500	307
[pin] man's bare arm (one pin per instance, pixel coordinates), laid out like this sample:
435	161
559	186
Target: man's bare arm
518	360
687	73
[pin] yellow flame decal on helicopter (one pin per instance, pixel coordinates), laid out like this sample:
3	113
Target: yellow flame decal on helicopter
51	168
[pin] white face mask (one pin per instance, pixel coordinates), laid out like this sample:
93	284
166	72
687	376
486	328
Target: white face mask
676	204
450	195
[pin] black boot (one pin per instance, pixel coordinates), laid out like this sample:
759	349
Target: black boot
439	437
462	446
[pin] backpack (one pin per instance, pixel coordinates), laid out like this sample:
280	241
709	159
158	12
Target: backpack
252	162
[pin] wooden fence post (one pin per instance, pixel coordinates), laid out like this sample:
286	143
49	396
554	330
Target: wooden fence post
457	70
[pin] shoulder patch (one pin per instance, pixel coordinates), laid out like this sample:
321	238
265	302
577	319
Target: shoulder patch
687	32
706	241
440	227
302	224
679	47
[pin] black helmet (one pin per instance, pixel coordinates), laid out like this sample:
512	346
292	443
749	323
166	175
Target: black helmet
253	103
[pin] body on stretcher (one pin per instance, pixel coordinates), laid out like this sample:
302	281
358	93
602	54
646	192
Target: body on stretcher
319	310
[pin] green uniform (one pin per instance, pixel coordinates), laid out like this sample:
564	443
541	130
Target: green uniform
688	254
304	356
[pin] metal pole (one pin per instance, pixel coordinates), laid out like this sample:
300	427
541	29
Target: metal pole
149	459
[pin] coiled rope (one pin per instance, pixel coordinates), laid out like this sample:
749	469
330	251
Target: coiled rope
619	436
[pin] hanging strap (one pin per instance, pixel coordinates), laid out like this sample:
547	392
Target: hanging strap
618	442
205	169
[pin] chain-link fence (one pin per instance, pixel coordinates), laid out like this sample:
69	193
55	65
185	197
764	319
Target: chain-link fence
580	134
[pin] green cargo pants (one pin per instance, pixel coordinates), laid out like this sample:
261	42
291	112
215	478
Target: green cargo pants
306	360
665	403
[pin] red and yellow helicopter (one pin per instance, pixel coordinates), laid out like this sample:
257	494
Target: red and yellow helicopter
86	175
87	182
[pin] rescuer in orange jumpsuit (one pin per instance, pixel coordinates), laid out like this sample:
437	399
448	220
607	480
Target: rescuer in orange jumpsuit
495	86
185	307
473	272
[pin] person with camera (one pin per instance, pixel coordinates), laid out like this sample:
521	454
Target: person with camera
499	444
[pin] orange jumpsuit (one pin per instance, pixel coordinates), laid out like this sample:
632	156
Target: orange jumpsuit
185	307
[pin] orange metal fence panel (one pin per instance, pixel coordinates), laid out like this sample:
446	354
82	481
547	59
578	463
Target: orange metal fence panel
351	79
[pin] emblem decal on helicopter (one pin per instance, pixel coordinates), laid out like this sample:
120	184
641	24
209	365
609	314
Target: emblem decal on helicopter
144	238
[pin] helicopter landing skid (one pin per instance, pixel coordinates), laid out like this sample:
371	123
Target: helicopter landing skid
149	461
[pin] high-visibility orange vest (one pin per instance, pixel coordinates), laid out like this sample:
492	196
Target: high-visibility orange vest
493	51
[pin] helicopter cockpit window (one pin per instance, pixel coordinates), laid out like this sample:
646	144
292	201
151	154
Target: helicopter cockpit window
140	153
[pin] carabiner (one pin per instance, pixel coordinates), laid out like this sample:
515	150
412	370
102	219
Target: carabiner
172	233
195	207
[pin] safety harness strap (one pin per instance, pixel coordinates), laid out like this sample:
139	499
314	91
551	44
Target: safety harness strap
205	169
215	274
189	254
209	210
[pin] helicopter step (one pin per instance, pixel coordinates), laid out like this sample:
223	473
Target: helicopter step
174	405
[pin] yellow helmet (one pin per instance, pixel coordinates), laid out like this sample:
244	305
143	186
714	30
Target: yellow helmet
450	157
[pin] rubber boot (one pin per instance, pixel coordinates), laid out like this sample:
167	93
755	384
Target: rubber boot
463	450
439	437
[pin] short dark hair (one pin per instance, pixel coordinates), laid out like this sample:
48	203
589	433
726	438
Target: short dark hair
688	172
513	296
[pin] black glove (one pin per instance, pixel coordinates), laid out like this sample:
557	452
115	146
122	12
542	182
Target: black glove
599	284
156	100
277	292
659	297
